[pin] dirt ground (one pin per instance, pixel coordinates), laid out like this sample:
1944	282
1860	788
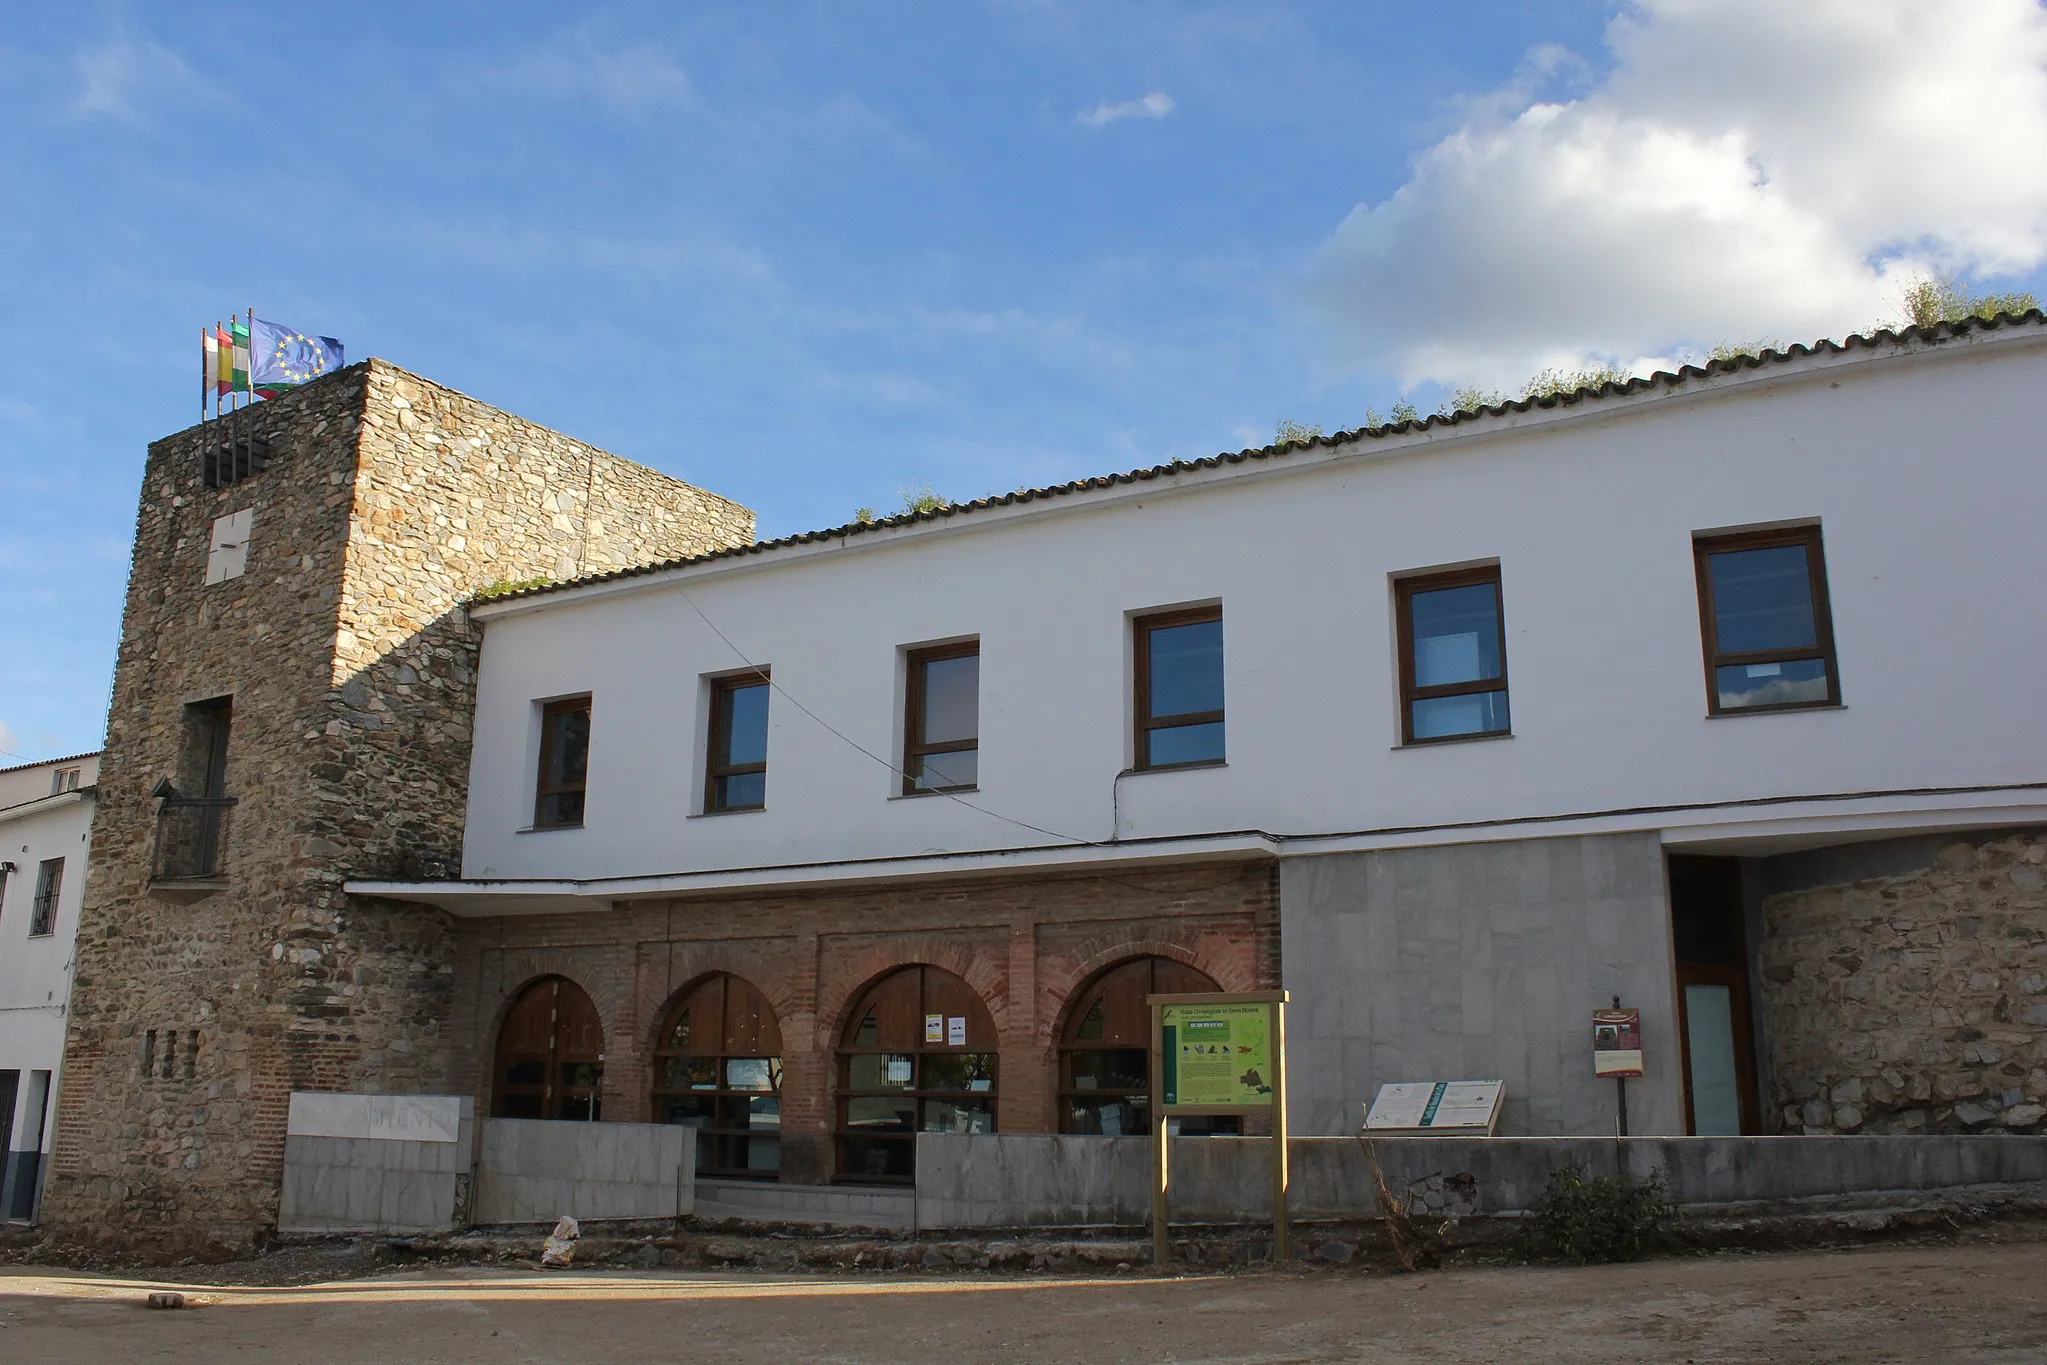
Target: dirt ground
1956	1303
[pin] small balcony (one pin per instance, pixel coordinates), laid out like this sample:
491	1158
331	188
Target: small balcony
191	846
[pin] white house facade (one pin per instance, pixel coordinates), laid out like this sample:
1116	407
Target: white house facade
45	834
1715	695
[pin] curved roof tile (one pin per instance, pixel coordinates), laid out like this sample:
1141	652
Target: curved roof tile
1662	379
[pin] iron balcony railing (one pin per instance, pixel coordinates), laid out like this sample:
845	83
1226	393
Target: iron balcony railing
191	837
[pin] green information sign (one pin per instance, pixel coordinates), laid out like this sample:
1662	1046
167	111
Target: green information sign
1217	1055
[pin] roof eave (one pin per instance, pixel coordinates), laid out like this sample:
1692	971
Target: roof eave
1690	382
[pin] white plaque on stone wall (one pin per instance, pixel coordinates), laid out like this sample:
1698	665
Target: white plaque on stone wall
391	1118
1461	1107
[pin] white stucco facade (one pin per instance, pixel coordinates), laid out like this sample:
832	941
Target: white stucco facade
45	818
1921	466
1448	910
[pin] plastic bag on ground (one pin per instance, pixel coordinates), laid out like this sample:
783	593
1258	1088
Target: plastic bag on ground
561	1245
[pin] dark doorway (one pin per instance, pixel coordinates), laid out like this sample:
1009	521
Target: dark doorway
1716	1040
550	1057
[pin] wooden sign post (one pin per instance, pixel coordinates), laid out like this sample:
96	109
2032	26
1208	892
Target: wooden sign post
1219	1053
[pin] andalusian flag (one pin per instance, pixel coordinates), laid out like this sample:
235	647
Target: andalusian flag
241	354
223	360
285	359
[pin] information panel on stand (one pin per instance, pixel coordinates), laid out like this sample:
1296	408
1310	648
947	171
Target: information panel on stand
1217	1057
1217	1053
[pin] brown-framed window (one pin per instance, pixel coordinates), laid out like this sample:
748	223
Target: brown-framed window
1105	1051
736	775
1763	614
564	763
918	1055
718	1069
942	723
1179	682
1453	655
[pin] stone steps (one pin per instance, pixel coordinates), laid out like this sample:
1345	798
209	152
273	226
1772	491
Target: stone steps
851	1206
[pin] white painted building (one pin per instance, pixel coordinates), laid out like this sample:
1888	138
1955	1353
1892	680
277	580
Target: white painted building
45	834
1869	518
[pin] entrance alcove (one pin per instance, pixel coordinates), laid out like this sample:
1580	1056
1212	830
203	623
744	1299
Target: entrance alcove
718	1069
1105	1049
550	1055
918	1055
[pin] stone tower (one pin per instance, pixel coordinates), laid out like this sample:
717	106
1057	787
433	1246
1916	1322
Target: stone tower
292	707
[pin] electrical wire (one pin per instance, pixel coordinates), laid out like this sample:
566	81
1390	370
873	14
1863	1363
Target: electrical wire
851	743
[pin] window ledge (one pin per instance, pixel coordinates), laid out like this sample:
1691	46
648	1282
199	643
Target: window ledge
1453	739
545	829
1175	768
1744	713
730	810
933	791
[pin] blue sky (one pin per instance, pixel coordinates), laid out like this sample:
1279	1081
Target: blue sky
811	255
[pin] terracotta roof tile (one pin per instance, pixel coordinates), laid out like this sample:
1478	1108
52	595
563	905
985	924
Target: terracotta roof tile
1662	379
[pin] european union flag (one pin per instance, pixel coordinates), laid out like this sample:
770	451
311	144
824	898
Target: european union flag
283	359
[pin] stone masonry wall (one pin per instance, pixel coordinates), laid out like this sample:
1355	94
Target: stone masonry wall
1025	945
387	501
1904	986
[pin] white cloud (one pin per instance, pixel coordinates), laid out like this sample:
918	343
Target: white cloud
573	66
1747	169
1157	104
120	78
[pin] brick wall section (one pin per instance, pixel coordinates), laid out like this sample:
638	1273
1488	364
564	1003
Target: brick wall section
1025	944
1913	997
388	501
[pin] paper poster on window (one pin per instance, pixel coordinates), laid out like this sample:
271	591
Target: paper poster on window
1217	1055
1617	1043
956	1031
934	1028
899	1071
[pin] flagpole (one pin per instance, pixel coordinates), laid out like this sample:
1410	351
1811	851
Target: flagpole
204	378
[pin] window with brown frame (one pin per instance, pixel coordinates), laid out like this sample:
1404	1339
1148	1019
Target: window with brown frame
1105	1051
942	724
736	775
1763	614
1179	685
718	1069
564	763
1453	655
918	1055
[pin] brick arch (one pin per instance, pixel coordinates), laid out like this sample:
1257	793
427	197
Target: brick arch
1072	997
781	998
987	973
1208	952
614	1006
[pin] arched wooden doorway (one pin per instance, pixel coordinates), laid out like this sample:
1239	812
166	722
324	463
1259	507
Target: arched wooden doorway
918	1054
718	1069
1105	1049
550	1057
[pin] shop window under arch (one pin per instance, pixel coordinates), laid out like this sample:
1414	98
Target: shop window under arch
1105	1050
918	1055
718	1069
550	1055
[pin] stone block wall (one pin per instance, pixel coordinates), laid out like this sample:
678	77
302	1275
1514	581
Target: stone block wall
387	502
1903	985
1480	961
1025	945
